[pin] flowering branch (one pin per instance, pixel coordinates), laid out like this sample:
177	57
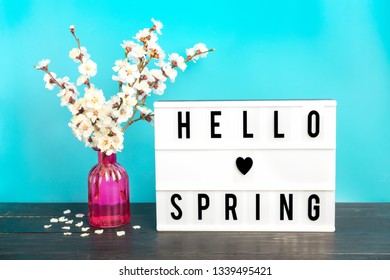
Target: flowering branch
136	120
97	121
74	35
51	79
189	58
87	68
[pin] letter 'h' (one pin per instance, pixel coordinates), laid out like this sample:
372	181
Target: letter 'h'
181	124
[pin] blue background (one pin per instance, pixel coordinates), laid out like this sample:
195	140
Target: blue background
265	50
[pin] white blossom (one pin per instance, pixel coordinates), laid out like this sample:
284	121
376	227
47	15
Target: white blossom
168	71
159	87
50	83
157	26
127	73
81	127
105	143
106	122
66	95
127	91
198	48
190	52
137	52
119	64
93	114
69	93
147	76
114	102
152	39
177	61
123	114
142	35
144	110
127	45
117	143
155	51
130	101
201	48
74	54
88	68
142	87
43	63
94	98
158	75
63	81
82	79
79	54
77	106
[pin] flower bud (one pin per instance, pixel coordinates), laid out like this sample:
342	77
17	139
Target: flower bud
71	28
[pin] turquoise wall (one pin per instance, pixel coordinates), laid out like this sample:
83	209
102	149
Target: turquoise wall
265	50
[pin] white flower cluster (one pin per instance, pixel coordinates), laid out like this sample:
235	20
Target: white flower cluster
97	121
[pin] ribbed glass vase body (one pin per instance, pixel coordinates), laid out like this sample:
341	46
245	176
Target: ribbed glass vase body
108	193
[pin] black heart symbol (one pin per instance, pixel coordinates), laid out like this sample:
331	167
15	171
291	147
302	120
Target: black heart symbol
244	165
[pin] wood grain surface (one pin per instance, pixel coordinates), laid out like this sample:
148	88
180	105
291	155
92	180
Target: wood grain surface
362	232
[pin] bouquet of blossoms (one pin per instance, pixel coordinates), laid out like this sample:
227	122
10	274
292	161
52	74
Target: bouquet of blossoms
100	123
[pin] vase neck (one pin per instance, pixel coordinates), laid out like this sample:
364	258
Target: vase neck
105	159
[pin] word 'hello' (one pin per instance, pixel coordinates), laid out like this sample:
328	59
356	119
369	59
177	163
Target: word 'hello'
313	124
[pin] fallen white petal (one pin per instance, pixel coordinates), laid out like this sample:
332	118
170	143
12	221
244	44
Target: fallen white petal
67	233
84	234
85	229
67	212
120	233
66	228
47	226
136	227
79	215
79	224
53	220
69	222
62	219
99	231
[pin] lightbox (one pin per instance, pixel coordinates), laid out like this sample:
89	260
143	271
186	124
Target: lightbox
245	165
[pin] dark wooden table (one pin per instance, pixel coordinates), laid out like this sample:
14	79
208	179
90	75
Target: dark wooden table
362	232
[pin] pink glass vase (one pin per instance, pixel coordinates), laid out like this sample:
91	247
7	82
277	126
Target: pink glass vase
108	193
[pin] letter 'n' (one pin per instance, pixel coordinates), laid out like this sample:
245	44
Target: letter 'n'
286	206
